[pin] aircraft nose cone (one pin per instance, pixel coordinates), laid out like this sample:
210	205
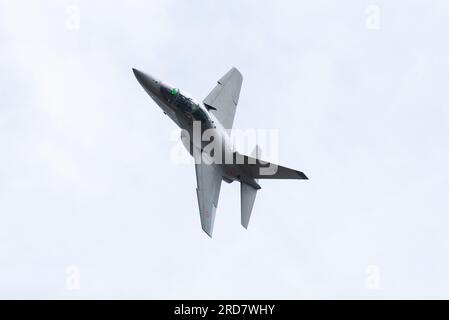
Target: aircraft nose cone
146	81
140	76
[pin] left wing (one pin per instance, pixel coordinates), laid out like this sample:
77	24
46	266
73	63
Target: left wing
208	178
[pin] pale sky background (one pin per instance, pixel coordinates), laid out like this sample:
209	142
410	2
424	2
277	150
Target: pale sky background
86	178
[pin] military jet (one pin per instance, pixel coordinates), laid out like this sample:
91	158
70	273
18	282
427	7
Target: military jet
216	116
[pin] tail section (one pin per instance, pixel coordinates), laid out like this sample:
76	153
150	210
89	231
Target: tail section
248	195
259	169
255	169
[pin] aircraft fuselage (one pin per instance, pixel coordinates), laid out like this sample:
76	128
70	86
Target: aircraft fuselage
189	115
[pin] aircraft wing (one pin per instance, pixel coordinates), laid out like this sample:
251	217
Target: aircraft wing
222	100
208	178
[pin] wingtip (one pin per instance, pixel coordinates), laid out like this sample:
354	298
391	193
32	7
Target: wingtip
207	230
208	233
235	69
302	175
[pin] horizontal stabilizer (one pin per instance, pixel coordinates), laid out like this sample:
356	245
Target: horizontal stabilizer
259	169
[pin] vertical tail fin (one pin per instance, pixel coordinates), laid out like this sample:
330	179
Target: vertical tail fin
248	196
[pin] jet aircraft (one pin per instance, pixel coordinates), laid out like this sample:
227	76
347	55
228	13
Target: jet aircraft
215	116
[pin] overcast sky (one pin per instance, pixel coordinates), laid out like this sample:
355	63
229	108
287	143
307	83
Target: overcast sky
91	206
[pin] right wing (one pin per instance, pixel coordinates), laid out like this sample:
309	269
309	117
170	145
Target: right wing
208	177
222	100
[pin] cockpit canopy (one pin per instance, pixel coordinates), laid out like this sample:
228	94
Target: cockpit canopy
183	102
169	92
